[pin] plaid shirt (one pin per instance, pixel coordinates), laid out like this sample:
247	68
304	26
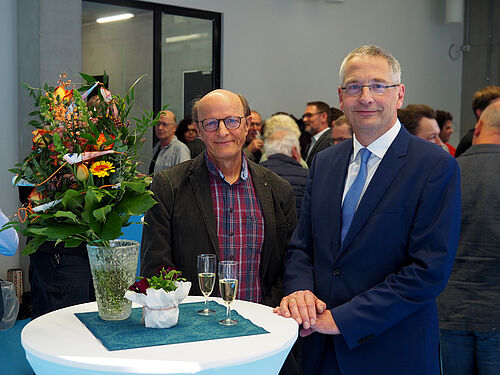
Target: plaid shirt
240	226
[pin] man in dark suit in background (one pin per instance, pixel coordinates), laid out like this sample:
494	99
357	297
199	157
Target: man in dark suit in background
377	236
317	120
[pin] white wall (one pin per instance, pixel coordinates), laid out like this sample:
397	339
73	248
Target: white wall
8	119
282	53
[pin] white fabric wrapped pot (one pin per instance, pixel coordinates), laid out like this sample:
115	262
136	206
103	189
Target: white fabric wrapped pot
161	309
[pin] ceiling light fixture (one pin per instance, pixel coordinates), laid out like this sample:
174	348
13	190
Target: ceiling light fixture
118	17
184	38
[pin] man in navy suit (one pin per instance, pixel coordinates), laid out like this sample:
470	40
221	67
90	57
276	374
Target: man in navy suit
377	237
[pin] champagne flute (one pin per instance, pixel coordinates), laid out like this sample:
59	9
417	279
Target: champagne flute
206	278
228	286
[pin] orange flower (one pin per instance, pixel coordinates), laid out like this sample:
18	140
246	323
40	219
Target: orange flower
101	140
63	94
102	168
82	173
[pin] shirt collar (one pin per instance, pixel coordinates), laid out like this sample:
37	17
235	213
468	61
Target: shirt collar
379	146
316	136
212	168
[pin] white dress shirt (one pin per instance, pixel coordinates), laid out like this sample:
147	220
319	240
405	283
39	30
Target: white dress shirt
378	148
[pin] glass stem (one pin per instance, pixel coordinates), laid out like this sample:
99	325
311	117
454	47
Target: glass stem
228	313
206	300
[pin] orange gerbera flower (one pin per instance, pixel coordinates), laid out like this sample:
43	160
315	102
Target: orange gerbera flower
102	168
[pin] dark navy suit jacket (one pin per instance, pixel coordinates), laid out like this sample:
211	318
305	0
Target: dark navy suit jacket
381	284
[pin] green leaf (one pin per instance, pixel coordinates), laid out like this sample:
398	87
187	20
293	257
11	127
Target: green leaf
72	242
134	203
112	227
33	245
72	199
100	213
58	230
125	219
139	186
67	214
88	78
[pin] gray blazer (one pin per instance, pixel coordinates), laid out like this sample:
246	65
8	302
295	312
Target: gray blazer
182	224
471	300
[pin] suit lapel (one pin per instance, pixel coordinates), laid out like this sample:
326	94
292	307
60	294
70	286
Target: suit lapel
265	197
393	161
200	184
325	138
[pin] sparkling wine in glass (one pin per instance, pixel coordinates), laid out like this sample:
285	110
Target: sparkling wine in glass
206	278
228	287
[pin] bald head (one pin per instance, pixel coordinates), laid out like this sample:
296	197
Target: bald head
488	126
218	96
169	114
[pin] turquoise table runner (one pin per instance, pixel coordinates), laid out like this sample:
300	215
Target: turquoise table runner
131	333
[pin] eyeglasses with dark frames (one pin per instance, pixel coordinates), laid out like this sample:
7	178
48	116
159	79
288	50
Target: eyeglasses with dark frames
375	88
309	115
212	124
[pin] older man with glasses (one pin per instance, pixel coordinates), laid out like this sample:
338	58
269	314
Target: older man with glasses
221	203
377	236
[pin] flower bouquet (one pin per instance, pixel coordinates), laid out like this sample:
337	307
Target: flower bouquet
160	297
82	168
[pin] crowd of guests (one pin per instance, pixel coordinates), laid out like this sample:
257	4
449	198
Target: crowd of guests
349	220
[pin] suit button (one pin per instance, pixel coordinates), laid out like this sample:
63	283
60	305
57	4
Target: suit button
337	272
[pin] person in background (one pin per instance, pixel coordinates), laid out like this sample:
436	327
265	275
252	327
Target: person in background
377	236
317	120
480	100
9	240
168	151
283	158
187	133
254	144
341	130
186	130
469	307
335	113
420	120
444	120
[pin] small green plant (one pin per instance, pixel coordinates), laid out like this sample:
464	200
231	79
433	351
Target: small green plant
165	280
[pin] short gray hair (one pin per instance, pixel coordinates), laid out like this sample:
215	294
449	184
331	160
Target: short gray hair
280	121
371	50
281	144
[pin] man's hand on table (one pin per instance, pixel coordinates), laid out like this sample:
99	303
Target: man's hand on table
308	310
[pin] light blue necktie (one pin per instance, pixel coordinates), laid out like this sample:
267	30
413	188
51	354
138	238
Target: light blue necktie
352	197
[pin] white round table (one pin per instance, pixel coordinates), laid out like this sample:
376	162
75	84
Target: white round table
58	343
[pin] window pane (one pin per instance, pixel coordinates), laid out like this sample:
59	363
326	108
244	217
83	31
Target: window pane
186	61
124	49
